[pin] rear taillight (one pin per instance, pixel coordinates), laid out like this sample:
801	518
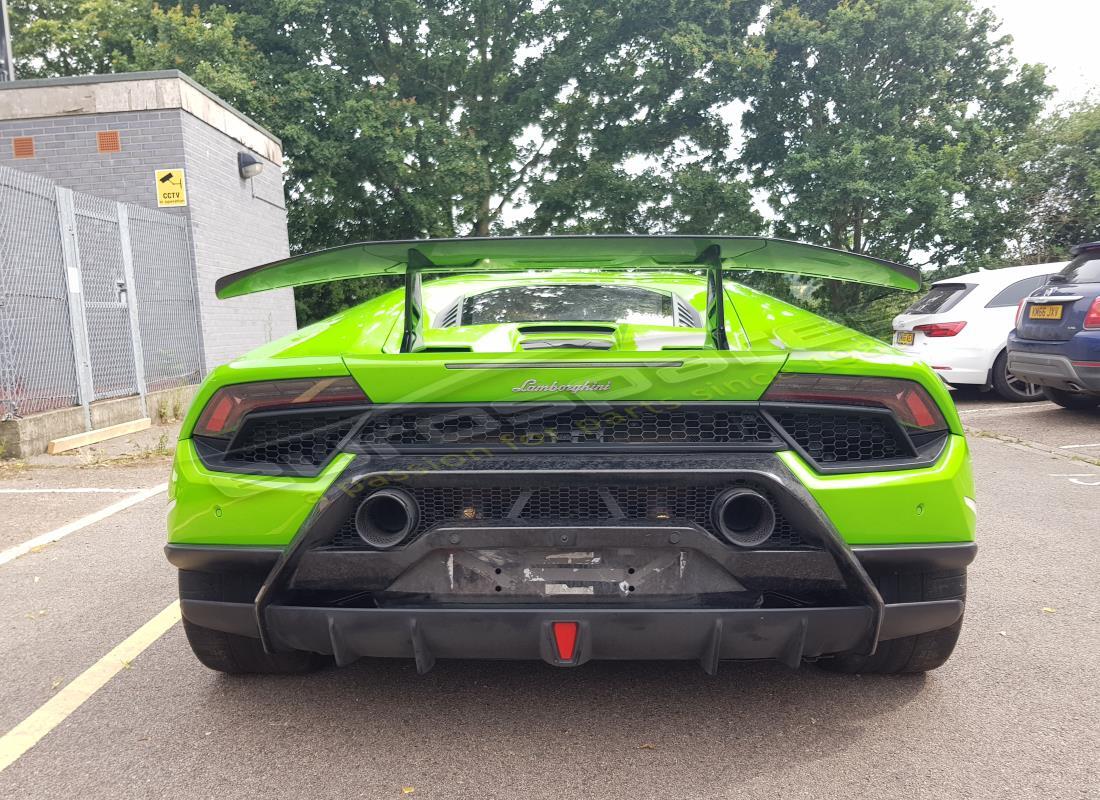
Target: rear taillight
230	404
910	402
1020	311
1092	319
938	329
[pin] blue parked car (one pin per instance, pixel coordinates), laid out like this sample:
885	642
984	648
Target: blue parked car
1056	343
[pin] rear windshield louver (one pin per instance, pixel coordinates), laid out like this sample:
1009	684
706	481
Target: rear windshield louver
564	427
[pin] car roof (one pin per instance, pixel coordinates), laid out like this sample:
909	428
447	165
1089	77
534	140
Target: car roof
1003	276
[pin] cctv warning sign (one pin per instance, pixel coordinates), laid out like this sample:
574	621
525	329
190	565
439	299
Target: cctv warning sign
171	188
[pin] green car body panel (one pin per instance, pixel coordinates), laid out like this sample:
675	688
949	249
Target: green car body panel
919	508
266	510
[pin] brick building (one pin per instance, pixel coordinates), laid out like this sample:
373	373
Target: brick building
108	135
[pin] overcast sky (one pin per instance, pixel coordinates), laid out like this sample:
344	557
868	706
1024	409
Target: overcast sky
1059	33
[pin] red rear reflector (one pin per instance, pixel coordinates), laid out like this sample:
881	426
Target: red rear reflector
220	415
938	329
922	416
565	639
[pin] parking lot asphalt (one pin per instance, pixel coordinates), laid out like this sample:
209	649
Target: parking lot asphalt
1015	712
1043	425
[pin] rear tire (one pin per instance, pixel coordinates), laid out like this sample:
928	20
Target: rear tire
227	652
909	654
1075	401
1010	387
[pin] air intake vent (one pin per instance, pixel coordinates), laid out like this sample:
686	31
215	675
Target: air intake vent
686	316
303	440
605	330
108	142
574	344
449	318
837	437
22	147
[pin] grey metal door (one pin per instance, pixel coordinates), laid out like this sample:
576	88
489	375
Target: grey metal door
104	289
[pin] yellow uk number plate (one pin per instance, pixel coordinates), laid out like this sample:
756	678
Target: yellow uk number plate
1044	311
904	337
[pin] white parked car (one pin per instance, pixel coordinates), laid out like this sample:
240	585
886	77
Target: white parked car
960	327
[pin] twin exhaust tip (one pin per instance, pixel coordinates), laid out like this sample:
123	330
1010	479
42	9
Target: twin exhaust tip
744	517
386	517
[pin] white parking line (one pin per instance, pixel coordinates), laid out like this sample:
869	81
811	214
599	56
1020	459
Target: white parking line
13	553
1077	446
57	709
88	490
1076	477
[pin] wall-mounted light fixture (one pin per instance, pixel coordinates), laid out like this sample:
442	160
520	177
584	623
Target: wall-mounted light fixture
248	165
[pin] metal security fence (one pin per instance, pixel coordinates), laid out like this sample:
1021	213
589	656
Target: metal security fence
37	368
97	298
164	280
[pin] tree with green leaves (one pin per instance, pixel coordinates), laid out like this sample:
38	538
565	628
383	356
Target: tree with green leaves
85	37
884	126
1056	190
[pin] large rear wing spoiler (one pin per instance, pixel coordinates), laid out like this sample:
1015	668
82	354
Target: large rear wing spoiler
414	258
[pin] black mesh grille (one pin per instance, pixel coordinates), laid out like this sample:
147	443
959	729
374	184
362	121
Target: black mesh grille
541	427
306	441
557	504
831	437
291	440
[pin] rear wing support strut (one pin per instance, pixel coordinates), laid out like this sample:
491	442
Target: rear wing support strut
716	298
412	339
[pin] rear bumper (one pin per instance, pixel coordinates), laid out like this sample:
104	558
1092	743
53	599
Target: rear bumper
1056	371
958	377
706	635
956	365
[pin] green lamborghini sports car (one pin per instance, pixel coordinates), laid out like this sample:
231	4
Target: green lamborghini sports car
572	448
